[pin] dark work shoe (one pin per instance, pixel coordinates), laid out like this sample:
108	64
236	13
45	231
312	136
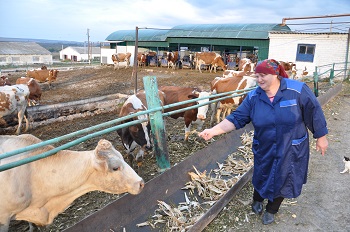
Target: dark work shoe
268	218
257	207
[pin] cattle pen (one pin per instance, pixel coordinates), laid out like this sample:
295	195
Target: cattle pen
125	213
177	176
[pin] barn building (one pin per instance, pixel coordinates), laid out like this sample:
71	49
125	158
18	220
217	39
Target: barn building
274	41
230	40
23	53
80	53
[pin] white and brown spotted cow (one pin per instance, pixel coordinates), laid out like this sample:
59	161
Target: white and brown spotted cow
38	191
141	59
13	99
221	85
290	68
138	135
121	57
175	94
211	59
172	58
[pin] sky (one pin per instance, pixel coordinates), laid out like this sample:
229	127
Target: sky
70	20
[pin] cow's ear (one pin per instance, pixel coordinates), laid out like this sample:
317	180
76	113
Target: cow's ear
104	147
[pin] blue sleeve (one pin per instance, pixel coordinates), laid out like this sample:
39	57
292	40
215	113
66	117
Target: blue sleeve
313	116
241	116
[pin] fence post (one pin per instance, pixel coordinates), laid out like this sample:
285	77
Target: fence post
331	75
316	82
157	123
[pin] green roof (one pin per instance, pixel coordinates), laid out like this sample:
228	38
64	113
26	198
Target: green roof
144	35
235	31
231	31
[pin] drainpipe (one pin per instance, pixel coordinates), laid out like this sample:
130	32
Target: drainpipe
347	55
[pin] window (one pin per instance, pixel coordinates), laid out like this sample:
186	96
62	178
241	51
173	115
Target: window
15	59
306	52
36	59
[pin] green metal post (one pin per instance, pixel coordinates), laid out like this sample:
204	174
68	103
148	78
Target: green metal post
157	123
331	75
316	82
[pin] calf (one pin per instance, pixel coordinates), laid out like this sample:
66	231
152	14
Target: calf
38	191
174	94
136	136
14	98
34	89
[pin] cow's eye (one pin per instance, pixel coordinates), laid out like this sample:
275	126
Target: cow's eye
116	168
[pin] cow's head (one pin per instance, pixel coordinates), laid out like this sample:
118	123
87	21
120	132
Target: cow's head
202	110
118	176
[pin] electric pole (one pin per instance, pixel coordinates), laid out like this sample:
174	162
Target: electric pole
88	36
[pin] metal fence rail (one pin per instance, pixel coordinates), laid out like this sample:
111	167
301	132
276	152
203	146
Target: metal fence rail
112	127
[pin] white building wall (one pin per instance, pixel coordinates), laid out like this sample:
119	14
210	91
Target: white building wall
69	52
329	48
25	59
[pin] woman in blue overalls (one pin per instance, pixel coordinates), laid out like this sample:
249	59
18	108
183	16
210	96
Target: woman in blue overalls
281	110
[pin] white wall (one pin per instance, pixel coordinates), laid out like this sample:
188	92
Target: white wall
330	48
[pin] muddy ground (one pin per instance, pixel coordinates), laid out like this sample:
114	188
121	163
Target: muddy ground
321	207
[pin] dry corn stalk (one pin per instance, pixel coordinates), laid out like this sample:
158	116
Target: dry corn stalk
211	189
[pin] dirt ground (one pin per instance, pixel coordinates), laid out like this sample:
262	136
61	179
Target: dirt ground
321	207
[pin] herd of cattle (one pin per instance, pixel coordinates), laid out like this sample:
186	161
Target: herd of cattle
26	91
29	196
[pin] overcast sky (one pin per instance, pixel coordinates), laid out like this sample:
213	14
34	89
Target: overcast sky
70	19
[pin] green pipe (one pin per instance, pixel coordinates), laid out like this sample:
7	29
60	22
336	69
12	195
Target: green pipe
67	145
75	142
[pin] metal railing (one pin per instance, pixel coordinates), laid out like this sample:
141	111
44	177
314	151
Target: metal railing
329	71
112	127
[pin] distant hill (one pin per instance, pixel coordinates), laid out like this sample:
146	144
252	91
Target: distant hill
51	45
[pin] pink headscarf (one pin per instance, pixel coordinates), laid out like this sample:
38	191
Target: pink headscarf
271	67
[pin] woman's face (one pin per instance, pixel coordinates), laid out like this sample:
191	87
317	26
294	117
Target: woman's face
264	80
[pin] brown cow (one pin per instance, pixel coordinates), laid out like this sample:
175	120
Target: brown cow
174	94
209	58
38	191
121	57
4	81
34	89
43	75
222	85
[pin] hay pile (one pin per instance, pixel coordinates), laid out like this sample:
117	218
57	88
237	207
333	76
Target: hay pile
204	190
